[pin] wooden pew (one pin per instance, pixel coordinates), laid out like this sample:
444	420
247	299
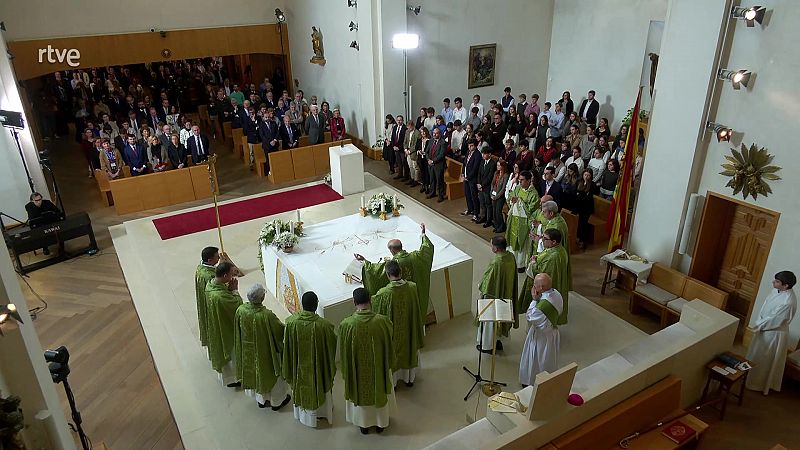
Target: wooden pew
246	151
105	187
303	161
237	134
156	190
281	169
599	219
228	131
300	163
572	228
454	187
203	117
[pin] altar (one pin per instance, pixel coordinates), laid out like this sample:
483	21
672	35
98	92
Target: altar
317	262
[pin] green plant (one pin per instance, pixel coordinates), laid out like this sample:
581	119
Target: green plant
272	229
643	116
374	204
749	170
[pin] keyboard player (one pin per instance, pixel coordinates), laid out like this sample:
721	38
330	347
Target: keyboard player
42	212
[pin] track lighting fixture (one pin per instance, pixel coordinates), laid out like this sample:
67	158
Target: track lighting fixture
751	15
738	78
353	26
352	3
354	45
6	311
415	9
280	15
722	132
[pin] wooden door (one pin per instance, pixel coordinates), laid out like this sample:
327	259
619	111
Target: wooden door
746	252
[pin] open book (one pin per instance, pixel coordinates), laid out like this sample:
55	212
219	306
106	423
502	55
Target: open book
352	273
494	310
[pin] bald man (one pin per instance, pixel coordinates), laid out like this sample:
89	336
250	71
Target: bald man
540	352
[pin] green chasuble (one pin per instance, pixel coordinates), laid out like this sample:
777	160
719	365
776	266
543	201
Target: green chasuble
416	267
518	227
257	344
399	302
553	261
559	224
222	304
500	281
365	346
309	358
202	276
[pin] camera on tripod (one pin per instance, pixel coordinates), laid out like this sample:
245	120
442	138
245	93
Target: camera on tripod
58	363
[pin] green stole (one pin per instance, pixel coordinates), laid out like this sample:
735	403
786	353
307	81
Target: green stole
222	305
416	267
309	358
518	228
257	344
202	276
365	345
500	281
549	311
399	302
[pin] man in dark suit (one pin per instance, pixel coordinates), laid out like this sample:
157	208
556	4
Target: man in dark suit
469	174
136	156
435	151
497	131
198	145
250	129
268	133
289	134
485	176
550	186
315	127
153	119
589	109
396	141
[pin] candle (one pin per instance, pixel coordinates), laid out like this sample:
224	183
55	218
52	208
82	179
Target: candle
383	206
291	227
394	201
298	216
363	205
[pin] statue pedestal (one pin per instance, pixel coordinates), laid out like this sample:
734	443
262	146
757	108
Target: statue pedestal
318	60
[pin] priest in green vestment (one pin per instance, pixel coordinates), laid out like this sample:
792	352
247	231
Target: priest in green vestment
499	281
523	203
416	267
542	345
309	362
365	346
222	299
400	303
209	258
551	218
554	261
257	349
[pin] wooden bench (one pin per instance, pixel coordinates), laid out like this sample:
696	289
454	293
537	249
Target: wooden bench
599	220
156	190
668	290
300	163
227	130
454	187
237	134
105	187
572	227
203	118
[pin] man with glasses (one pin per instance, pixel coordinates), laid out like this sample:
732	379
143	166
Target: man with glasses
554	261
42	212
523	203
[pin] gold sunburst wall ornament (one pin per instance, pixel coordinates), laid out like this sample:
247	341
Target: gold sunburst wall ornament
749	170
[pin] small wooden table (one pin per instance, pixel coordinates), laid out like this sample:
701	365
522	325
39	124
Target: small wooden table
628	271
726	382
654	440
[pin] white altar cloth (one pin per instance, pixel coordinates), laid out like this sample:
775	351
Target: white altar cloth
326	249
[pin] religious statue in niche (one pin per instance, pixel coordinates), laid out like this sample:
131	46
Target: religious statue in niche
653	70
749	170
316	45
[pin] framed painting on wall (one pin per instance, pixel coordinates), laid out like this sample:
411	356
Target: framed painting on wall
481	65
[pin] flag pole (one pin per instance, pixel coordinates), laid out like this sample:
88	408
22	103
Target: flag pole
212	176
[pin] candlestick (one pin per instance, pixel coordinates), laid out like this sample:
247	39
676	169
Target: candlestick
394	201
363	205
291	227
298	215
383	206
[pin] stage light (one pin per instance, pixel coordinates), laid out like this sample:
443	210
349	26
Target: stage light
280	15
415	9
722	132
352	3
751	15
738	78
6	311
405	41
353	26
354	45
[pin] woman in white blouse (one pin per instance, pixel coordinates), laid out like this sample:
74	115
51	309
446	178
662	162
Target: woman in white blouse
598	164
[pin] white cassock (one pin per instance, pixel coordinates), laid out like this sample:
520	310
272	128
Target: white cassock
370	416
543	341
768	347
274	397
309	417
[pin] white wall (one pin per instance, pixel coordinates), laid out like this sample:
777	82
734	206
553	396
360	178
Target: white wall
447	28
600	46
766	113
14	189
87	17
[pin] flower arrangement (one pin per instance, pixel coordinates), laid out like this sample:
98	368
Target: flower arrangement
286	241
275	228
381	199
379	142
644	116
327	179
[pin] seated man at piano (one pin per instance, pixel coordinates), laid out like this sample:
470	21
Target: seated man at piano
42	212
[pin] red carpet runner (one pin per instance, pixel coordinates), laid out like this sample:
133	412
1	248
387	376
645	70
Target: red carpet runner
231	213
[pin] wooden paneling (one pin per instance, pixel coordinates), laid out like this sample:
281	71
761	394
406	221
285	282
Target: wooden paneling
712	235
134	48
237	134
280	167
153	190
303	162
201	184
127	198
179	186
322	159
157	190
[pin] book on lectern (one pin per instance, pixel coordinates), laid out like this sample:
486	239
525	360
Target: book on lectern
495	310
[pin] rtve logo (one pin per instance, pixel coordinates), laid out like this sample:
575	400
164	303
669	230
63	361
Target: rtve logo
71	56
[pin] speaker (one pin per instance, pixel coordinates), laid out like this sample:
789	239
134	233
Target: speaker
11	119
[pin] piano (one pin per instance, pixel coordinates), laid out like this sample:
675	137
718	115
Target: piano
25	239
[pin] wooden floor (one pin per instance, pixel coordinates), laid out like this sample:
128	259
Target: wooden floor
116	385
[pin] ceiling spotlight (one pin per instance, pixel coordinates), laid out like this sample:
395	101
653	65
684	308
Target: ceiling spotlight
6	311
738	78
354	45
353	26
351	3
750	15
280	15
722	132
416	10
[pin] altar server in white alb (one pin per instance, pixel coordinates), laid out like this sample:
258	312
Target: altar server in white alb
768	347
542	344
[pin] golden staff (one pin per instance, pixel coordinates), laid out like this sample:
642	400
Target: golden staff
212	176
